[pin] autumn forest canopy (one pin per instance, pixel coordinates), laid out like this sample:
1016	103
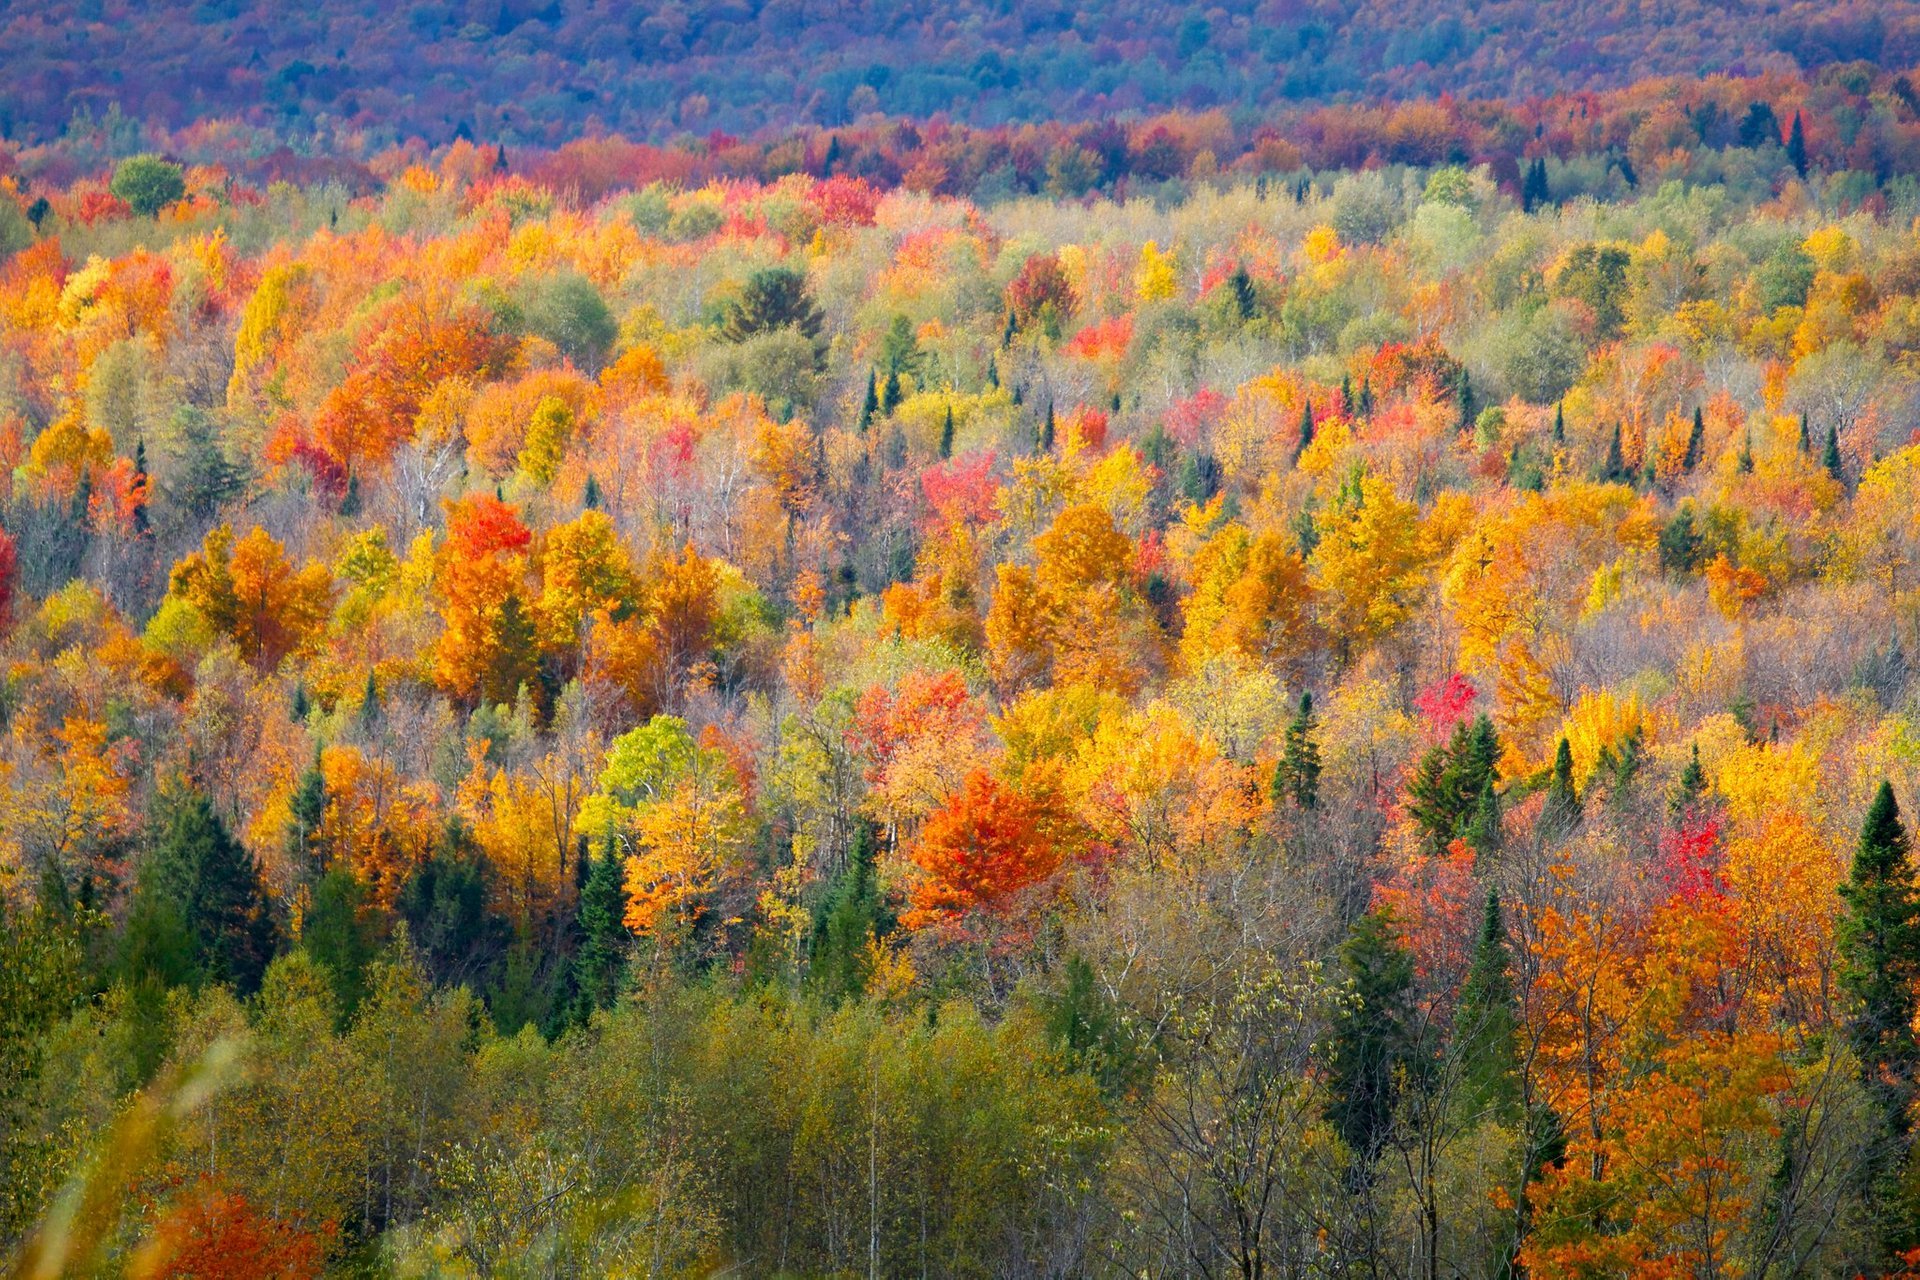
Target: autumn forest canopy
1176	647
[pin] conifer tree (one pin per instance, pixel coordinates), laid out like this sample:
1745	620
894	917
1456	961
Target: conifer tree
946	435
870	405
1297	776
1366	397
1806	433
1560	423
1562	810
1746	453
1691	787
850	918
1484	832
1830	456
1306	428
1615	467
1879	937
604	936
1797	146
209	878
590	496
1375	1048
1046	431
1696	441
307	807
1486	1023
890	394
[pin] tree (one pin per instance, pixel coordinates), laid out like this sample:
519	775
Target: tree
1306	428
979	850
201	873
946	434
1486	1024
773	298
1797	146
1690	787
341	931
249	590
148	183
870	405
604	937
1879	943
1830	456
1696	441
1562	811
1375	1048
851	917
1444	794
1297	776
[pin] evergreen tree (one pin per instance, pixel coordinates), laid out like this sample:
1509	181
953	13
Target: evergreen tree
140	485
946	434
341	931
890	394
1445	792
993	374
1691	787
1484	832
1562	810
1244	300
1830	456
1746	453
1046	431
1560	423
1797	146
1486	1024
1297	776
604	936
1464	398
201	871
1879	939
590	496
1007	332
1696	441
1806	433
1374	1046
307	807
869	404
368	716
1615	468
1085	1026
1346	394
1306	428
1366	397
850	918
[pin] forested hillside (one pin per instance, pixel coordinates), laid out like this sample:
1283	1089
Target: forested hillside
1170	697
542	71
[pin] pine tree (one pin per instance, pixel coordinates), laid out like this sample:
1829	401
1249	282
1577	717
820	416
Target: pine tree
369	714
1797	146
1366	397
890	394
604	936
869	405
1746	453
1244	300
1464	398
993	374
1879	938
1696	441
1306	428
209	878
307	807
1486	1024
1691	787
1616	464
1046	431
1346	394
946	434
850	918
1806	433
1562	810
1374	1048
590	496
1830	456
340	931
1484	832
1006	334
1297	776
1560	423
1445	792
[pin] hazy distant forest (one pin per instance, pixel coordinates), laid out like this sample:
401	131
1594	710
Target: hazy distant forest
813	640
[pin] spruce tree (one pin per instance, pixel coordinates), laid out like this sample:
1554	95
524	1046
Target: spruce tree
1879	939
1374	1046
946	434
200	870
341	932
590	497
1806	433
850	918
1797	146
1562	809
1046	431
870	405
890	394
1560	423
1696	441
1306	428
1691	787
1486	1024
1366	397
1297	776
1445	792
1484	832
1616	464
1464	399
1244	300
1746	453
1830	456
306	808
993	374
604	936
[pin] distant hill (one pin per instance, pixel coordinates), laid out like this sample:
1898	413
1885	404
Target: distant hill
542	71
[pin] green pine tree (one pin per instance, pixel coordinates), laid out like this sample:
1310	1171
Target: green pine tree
1486	1024
1797	146
1306	428
1746	453
1366	397
1879	939
869	405
1615	468
1830	456
850	918
209	878
1696	441
604	937
341	932
1562	810
890	394
1560	423
590	496
1692	786
946	434
307	806
1484	832
1297	776
1375	1050
1046	431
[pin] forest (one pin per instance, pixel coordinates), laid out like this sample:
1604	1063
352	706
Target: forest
1157	696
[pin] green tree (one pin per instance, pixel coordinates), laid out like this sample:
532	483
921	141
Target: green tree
1444	793
1830	456
1375	1048
1879	939
148	183
199	870
1696	440
1486	1024
1562	811
341	932
870	405
773	298
604	937
851	916
1297	776
1690	788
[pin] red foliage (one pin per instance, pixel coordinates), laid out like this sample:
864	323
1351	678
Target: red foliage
981	849
1187	420
209	1233
1433	900
842	201
1446	704
936	703
480	524
1402	366
965	491
1040	288
1689	862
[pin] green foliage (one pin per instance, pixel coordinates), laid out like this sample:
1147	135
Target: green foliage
201	887
1376	1047
1445	790
1297	776
1486	1025
148	183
